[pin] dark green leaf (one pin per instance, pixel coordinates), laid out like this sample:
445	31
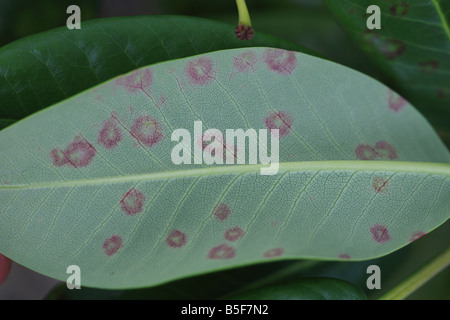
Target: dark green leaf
43	69
413	47
305	289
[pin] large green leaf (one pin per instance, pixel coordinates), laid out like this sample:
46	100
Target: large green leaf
413	47
90	181
43	69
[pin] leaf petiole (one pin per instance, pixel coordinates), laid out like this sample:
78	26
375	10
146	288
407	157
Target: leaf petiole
244	17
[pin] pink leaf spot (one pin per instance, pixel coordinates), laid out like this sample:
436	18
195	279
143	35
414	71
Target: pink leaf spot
273	253
138	80
380	233
382	150
222	211
280	120
112	245
234	234
365	152
78	153
201	71
132	202
110	135
385	150
245	61
147	130
222	252
176	239
280	61
396	102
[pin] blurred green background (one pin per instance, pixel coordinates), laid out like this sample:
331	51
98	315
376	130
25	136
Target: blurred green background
307	22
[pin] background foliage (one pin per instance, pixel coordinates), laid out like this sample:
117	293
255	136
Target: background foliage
308	23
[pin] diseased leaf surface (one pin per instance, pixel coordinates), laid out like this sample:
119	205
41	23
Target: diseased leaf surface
90	181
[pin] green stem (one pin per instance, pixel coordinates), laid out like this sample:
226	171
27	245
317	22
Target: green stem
244	17
419	278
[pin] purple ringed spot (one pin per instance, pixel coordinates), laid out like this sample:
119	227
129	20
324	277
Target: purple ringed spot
234	234
176	239
386	150
380	233
147	130
281	61
58	157
273	253
222	211
365	152
112	245
79	153
396	102
222	252
200	71
138	80
280	120
110	135
245	62
382	150
132	202
344	256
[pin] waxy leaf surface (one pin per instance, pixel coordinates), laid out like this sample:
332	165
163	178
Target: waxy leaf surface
90	181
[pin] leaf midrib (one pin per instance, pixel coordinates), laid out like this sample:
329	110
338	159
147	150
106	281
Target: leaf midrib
357	165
